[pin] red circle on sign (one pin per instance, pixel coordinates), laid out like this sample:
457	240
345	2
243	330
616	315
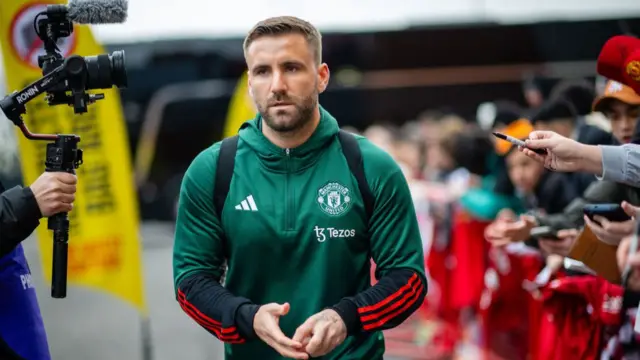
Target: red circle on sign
25	43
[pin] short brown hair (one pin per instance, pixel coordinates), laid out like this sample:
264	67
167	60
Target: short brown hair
282	25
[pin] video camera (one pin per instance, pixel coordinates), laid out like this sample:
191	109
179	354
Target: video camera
66	81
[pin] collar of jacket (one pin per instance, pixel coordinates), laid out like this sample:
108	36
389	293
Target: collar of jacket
299	158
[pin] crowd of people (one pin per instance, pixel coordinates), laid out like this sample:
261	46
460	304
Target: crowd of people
495	286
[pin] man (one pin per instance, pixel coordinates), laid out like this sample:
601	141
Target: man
295	232
22	333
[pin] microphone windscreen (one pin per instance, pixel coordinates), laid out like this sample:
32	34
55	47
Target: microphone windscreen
98	11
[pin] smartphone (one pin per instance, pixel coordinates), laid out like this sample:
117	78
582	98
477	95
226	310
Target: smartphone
611	212
544	232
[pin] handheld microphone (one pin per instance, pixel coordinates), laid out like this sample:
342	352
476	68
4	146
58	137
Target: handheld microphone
619	60
92	11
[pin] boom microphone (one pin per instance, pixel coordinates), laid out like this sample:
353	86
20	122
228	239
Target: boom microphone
619	60
92	11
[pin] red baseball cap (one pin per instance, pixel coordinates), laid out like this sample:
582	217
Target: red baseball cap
619	60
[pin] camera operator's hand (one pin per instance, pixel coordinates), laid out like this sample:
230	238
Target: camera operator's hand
563	154
611	232
54	192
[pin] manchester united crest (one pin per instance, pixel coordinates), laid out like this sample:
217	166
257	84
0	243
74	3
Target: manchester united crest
633	70
334	199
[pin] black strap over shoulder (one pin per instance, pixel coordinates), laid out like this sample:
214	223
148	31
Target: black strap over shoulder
224	172
352	153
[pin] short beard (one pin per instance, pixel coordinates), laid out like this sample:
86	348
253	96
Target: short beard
304	115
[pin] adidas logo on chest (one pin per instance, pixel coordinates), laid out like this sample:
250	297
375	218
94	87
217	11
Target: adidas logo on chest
248	204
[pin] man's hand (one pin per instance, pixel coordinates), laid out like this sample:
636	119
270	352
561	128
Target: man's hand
266	324
610	232
321	333
54	192
560	247
563	154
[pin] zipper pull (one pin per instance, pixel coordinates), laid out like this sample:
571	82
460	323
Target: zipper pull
287	151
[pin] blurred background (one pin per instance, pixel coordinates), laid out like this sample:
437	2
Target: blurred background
399	71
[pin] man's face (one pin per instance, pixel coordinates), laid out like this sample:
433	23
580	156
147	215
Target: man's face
623	119
284	80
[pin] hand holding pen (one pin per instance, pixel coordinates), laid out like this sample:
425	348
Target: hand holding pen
560	153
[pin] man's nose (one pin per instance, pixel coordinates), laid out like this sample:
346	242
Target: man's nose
278	84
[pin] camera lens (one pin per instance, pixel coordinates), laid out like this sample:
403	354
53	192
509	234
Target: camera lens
105	71
118	69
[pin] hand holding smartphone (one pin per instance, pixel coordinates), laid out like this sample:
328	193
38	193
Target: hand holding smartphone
611	212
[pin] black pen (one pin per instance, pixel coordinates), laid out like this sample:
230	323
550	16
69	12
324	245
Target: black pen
518	142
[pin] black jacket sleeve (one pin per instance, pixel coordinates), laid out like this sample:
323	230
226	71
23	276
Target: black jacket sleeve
227	317
19	216
386	304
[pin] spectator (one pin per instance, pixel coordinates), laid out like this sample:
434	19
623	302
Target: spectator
618	104
581	95
621	105
439	160
532	91
380	136
559	115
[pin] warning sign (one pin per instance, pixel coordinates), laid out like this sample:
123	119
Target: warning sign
26	44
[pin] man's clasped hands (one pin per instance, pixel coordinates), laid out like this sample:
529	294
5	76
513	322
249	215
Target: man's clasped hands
317	336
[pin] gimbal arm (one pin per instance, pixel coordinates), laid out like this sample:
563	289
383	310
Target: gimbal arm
13	105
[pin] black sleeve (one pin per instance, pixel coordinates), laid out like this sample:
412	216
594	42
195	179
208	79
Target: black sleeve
225	316
386	304
19	216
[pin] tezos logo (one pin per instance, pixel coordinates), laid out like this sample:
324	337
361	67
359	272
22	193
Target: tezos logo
322	234
334	199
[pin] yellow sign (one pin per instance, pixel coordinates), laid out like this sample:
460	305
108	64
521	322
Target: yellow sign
241	108
104	242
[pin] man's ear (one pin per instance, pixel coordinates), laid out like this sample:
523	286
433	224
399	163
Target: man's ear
323	77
